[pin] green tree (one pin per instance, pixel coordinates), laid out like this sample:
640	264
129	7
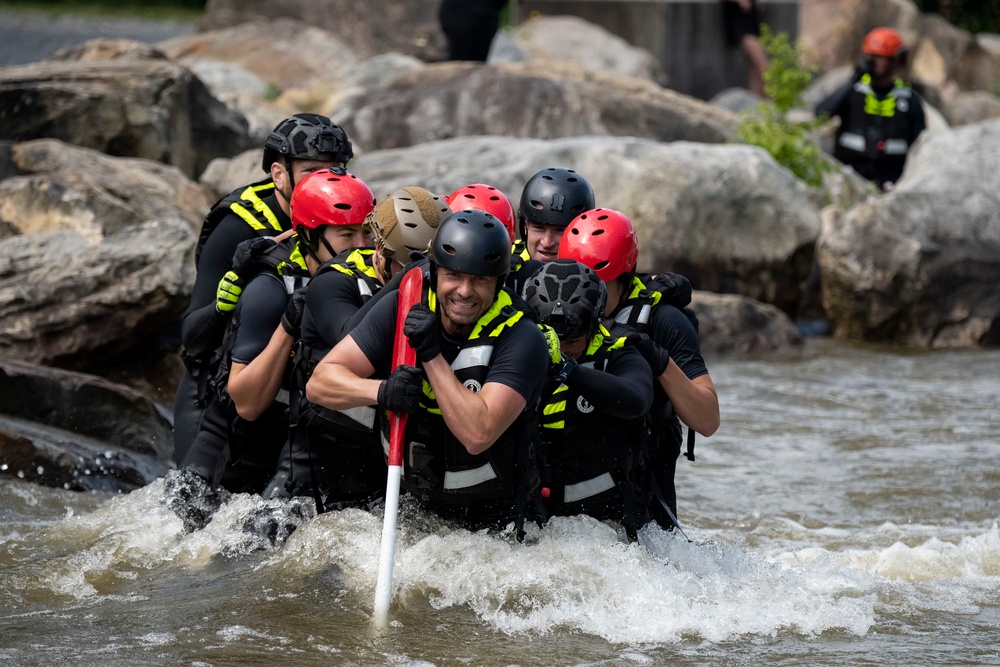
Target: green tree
768	126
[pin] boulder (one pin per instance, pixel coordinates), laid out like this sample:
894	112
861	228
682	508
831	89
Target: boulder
368	28
524	100
831	31
67	302
145	107
323	94
572	39
64	187
223	175
79	432
972	107
732	325
920	265
725	215
282	52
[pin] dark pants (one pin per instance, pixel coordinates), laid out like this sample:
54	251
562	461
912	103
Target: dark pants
470	26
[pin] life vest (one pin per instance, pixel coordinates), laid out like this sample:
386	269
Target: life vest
877	130
518	255
285	263
635	313
248	203
436	466
591	461
359	264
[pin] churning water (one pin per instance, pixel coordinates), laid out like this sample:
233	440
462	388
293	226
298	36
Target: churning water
845	514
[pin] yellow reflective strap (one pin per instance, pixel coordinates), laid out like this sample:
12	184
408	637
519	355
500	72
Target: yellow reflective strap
252	195
247	216
553	408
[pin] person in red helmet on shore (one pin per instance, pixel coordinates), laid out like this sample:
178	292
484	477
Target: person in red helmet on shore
880	115
605	240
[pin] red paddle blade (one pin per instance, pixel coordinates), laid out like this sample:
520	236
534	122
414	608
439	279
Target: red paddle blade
410	293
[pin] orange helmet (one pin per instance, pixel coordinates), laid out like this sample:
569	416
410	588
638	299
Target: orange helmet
883	42
478	196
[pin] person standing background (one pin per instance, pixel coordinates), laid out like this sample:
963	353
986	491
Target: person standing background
741	22
880	114
469	26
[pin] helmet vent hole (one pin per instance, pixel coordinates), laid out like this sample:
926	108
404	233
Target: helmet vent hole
411	225
597	232
450	249
601	265
492	257
537	205
603	217
407	210
574	231
343	207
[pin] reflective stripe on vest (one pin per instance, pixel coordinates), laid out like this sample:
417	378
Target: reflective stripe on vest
463	479
588	488
474	356
641	297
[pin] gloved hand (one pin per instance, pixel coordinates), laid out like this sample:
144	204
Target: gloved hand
291	320
655	356
401	391
421	328
246	258
553	343
562	369
227	295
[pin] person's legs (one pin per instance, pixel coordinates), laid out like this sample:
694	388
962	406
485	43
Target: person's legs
756	63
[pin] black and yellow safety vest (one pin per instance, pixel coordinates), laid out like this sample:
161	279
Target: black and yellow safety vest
634	314
589	459
285	263
247	203
436	465
876	129
357	263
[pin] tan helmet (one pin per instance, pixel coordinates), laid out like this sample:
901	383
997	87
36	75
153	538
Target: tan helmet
406	221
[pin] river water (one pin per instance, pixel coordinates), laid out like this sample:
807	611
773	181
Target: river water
845	514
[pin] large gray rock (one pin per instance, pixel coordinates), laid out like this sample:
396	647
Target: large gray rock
62	187
831	31
282	52
920	266
732	325
727	216
145	107
524	100
368	28
70	303
571	39
972	107
79	432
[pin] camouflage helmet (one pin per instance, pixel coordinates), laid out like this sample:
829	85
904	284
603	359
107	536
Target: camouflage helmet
406	221
307	136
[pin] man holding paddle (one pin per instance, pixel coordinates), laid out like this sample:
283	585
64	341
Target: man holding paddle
472	402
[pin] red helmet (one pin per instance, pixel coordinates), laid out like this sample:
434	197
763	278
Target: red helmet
330	197
604	240
481	197
883	42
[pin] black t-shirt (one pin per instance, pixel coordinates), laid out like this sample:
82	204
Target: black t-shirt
623	390
673	331
520	355
332	299
258	313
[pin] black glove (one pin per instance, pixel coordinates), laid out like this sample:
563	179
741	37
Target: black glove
401	391
246	259
561	370
291	320
655	356
422	329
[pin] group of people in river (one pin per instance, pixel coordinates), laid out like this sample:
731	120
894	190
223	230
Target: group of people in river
550	377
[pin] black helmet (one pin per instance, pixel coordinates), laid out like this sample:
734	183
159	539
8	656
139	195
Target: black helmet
568	296
307	136
554	196
472	242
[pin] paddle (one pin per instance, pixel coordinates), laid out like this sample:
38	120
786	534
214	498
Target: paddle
410	291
